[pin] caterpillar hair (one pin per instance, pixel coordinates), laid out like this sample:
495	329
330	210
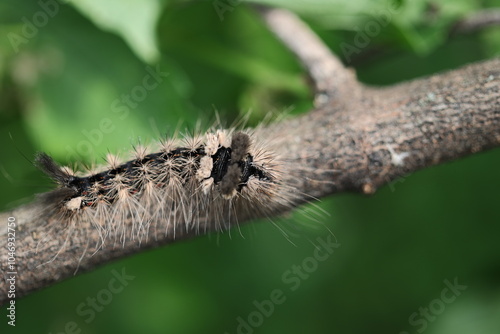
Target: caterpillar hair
203	183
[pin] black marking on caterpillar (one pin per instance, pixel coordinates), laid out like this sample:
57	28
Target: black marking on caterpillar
207	183
228	167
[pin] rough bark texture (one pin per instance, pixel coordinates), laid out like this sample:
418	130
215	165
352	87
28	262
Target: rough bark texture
358	141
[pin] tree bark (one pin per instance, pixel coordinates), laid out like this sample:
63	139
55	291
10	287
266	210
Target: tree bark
357	140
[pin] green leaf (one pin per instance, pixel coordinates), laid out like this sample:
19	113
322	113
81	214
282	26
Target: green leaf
89	94
418	25
133	20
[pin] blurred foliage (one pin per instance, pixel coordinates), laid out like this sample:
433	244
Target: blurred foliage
76	81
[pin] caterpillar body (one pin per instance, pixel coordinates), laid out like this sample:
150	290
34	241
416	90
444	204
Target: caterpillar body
203	183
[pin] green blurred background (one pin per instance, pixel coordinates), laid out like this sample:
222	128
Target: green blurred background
67	66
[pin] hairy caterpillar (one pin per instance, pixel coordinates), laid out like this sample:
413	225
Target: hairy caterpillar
202	182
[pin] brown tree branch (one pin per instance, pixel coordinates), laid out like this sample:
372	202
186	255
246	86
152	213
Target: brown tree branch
329	76
477	21
358	141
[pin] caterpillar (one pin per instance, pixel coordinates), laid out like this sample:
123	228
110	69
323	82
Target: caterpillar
204	182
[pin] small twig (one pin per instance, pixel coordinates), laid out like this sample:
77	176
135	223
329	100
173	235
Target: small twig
329	75
477	21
